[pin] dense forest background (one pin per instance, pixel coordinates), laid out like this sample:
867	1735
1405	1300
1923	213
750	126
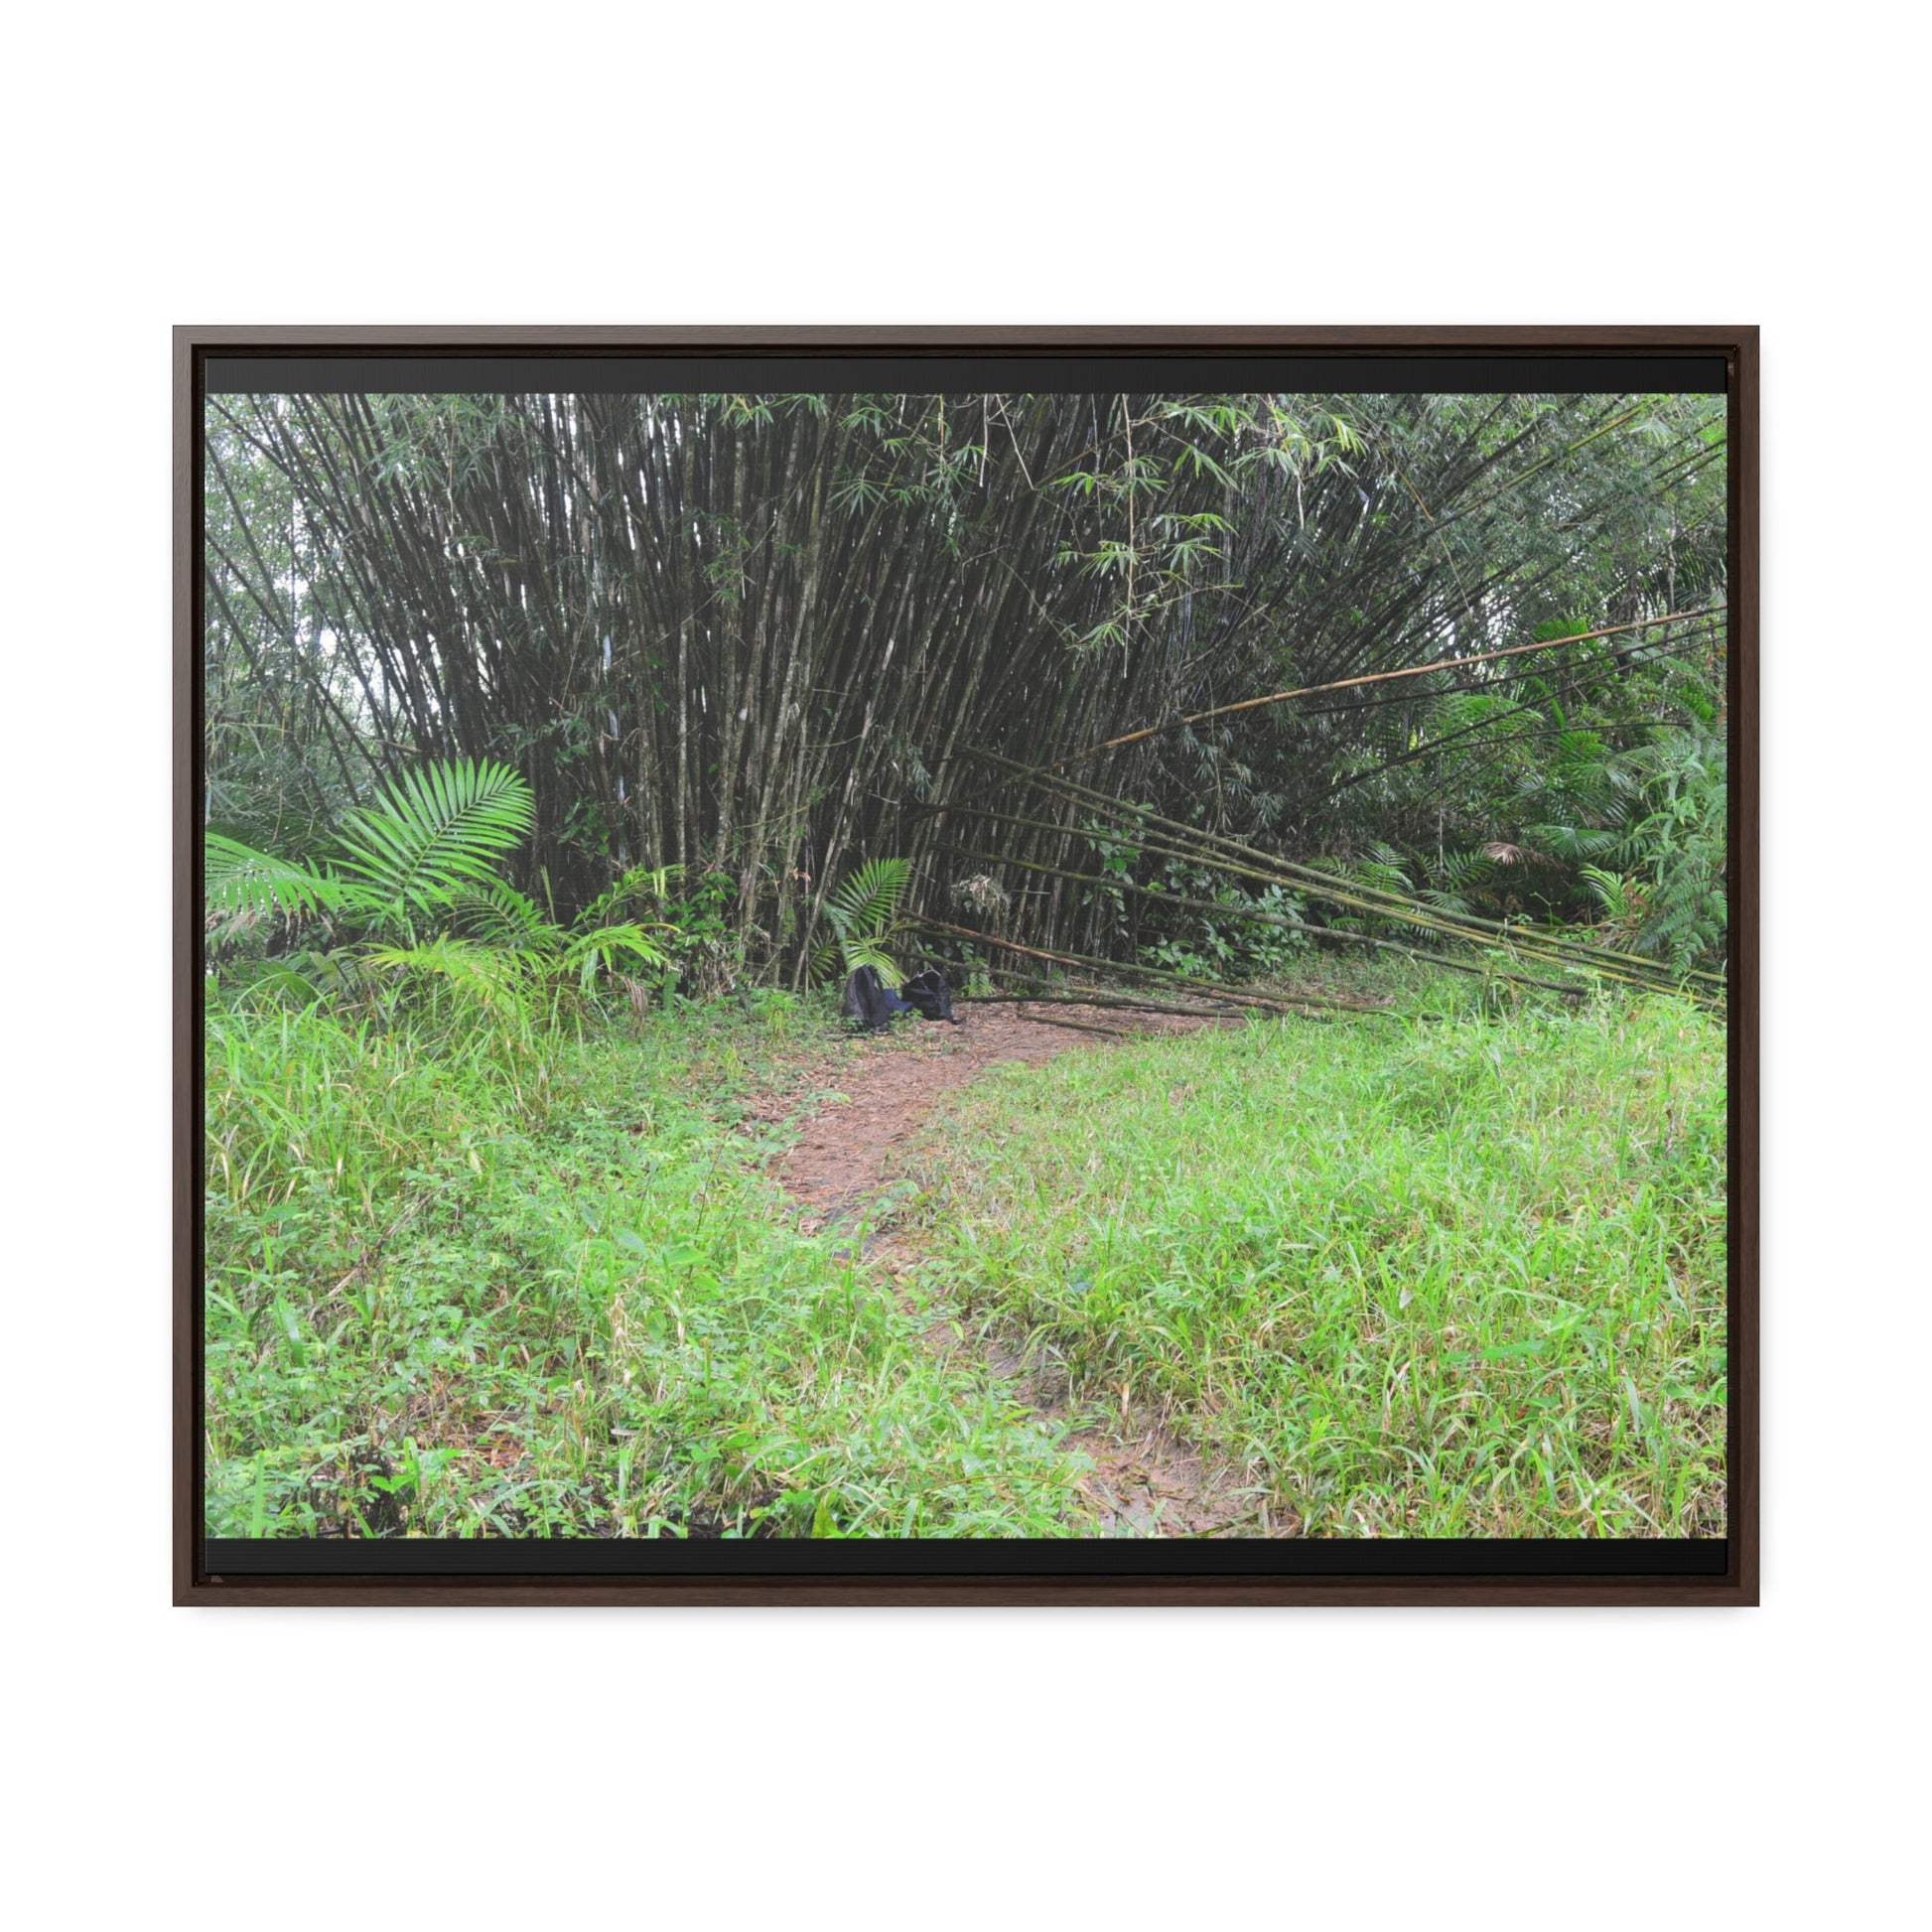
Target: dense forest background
751	639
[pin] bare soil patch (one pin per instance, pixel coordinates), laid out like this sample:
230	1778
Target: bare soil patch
891	1082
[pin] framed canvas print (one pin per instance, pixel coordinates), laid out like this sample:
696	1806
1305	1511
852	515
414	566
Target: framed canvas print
1098	965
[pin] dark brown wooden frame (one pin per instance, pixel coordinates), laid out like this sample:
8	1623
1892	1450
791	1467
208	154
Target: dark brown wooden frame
1739	1583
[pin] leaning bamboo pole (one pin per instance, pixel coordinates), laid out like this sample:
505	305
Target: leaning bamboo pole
1198	840
1219	850
1381	677
1250	916
1388	907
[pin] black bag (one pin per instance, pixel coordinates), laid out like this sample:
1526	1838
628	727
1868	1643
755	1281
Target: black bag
874	1003
870	1001
930	993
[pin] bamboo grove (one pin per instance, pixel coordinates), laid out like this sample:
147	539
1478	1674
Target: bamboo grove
1017	639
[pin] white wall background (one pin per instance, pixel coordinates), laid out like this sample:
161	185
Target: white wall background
1039	162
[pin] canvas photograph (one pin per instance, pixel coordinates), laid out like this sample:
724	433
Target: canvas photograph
1118	959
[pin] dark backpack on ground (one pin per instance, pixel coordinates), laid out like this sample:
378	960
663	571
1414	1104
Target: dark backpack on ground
870	1001
930	993
874	1003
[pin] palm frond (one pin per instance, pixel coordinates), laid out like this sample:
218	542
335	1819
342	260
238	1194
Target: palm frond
653	882
863	909
240	881
497	913
1613	894
498	981
862	952
438	829
603	947
865	904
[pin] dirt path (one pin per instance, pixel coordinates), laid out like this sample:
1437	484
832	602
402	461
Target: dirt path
839	1164
1145	1481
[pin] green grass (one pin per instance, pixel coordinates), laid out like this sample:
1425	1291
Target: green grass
1458	1273
1449	1276
448	1297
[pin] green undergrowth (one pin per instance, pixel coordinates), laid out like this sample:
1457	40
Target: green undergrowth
1452	1271
1453	1274
458	1294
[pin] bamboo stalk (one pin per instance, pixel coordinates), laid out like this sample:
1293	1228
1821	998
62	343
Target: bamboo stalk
679	611
1380	677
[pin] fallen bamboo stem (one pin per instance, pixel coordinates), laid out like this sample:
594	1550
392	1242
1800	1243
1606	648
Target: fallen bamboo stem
1078	1026
1275	919
1512	942
1381	677
1206	847
1229	996
1084	1000
1199	842
1378	898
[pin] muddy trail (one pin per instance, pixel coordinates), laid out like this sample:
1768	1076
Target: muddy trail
1145	1480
